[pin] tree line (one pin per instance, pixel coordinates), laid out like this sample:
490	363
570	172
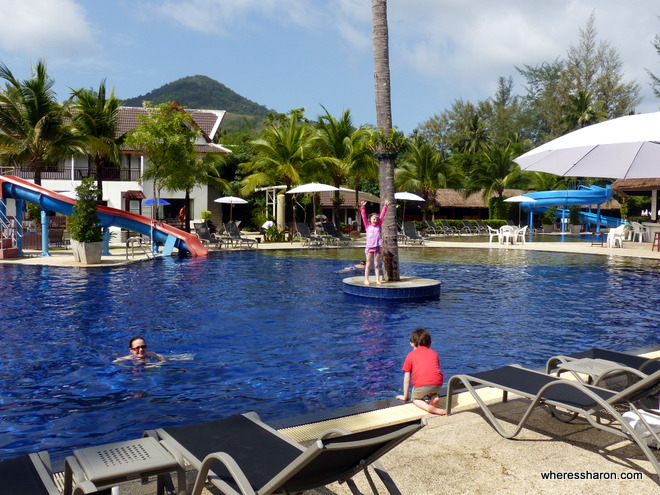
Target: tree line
469	147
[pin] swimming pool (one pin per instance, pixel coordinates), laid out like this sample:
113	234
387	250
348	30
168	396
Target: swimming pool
274	333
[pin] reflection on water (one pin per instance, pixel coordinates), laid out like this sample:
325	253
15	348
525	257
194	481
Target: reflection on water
273	332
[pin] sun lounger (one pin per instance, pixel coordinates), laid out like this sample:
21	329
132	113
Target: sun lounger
448	229
410	233
335	235
31	475
559	395
306	238
645	365
468	228
431	228
204	235
235	236
242	455
482	227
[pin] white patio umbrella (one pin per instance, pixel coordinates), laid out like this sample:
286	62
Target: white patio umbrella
311	188
627	147
519	199
231	200
406	196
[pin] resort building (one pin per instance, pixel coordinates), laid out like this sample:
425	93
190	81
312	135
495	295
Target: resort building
122	185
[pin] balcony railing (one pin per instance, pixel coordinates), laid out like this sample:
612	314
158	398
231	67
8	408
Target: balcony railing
107	174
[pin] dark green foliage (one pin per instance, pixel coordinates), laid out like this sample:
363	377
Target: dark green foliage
548	218
574	218
84	222
201	92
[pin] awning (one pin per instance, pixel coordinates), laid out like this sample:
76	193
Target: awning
134	194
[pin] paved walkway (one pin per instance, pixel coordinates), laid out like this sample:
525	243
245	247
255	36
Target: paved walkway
64	257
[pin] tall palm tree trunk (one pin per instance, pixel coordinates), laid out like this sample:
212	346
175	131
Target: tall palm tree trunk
384	124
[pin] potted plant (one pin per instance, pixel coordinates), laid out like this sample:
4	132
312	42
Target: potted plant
575	224
548	220
84	225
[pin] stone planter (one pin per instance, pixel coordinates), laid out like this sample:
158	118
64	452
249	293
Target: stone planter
575	229
548	229
87	253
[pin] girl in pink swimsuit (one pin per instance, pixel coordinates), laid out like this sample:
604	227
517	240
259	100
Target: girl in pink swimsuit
374	240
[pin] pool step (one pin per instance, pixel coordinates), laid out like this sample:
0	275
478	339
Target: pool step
7	249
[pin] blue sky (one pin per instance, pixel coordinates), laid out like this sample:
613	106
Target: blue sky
287	54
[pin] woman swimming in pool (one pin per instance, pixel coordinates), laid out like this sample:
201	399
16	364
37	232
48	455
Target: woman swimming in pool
139	353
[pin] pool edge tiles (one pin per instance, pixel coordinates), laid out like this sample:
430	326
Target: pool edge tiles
408	288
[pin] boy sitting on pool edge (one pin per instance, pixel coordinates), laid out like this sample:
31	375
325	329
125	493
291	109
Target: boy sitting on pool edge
422	367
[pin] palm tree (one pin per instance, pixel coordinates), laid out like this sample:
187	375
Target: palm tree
344	151
384	123
285	153
581	111
95	118
32	123
423	169
496	172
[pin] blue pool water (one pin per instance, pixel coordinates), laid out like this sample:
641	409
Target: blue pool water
274	333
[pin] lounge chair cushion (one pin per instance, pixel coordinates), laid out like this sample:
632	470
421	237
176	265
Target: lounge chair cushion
20	476
521	380
632	418
250	445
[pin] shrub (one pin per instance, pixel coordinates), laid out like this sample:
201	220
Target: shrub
84	224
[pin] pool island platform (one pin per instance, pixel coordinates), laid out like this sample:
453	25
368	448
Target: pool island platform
406	289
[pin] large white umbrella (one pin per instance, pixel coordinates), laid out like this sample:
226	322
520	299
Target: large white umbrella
231	200
312	187
519	199
407	196
627	147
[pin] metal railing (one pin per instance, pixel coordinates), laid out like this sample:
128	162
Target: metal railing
140	242
8	226
107	174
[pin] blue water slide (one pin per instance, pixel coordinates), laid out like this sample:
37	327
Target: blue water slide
583	196
17	188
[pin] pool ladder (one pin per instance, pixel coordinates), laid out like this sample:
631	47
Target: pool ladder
143	243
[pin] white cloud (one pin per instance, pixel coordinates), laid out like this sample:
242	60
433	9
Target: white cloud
473	43
221	16
44	28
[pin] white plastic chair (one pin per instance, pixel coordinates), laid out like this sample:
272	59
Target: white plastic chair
508	234
615	237
520	235
639	231
493	233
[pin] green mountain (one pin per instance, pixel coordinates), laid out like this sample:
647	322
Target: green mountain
202	92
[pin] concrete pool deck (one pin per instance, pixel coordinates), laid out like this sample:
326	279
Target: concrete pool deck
64	257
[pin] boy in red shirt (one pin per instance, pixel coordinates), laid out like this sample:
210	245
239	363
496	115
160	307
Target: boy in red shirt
422	364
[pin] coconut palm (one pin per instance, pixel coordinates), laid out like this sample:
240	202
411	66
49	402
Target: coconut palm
384	123
95	118
496	172
285	153
582	111
32	122
344	152
422	169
